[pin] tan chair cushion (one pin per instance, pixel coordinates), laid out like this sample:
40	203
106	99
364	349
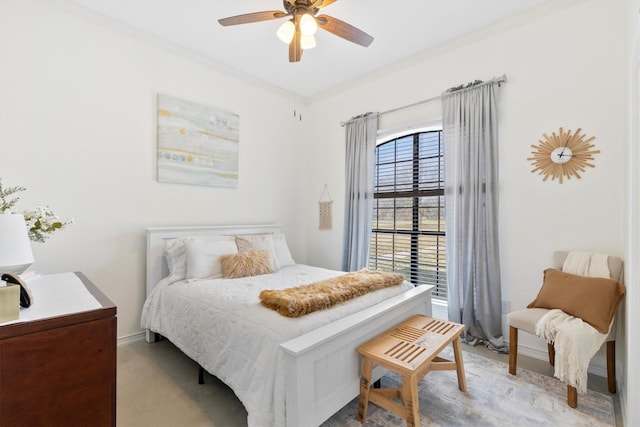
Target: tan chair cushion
526	319
592	299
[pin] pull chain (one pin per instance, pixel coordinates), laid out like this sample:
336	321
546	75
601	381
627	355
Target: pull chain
296	79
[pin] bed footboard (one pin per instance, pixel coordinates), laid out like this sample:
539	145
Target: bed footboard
323	367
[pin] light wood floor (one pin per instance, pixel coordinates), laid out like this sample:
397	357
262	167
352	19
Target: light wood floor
158	386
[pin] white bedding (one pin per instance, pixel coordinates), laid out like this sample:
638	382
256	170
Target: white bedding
220	324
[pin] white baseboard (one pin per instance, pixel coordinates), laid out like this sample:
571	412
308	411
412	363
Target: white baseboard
595	368
128	339
623	405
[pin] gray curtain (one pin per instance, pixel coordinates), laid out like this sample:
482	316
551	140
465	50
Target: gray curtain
470	124
361	149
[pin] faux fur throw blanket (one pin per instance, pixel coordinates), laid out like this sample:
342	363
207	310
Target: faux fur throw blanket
305	299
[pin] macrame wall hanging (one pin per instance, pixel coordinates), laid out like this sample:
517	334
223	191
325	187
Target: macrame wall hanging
325	205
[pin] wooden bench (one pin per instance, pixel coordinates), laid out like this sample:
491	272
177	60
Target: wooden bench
411	350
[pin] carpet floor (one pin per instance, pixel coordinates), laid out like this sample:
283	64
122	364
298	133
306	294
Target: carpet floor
494	398
157	386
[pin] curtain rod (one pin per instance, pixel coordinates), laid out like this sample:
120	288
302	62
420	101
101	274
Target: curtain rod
501	79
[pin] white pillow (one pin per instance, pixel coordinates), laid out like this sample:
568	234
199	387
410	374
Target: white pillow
283	254
203	255
174	252
251	242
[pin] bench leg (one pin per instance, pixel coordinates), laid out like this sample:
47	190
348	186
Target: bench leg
365	387
410	400
457	352
551	349
513	349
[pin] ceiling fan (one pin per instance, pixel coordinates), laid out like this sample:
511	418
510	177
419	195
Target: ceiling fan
299	30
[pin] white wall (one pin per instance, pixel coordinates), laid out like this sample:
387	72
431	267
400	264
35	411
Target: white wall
564	69
630	384
77	128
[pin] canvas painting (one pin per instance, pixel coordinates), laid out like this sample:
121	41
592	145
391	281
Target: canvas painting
197	144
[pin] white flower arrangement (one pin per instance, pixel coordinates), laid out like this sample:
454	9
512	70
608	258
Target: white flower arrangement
41	221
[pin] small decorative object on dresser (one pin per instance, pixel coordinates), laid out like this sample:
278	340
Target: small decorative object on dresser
58	361
9	302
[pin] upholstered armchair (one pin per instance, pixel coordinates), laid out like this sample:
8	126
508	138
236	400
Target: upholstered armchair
527	319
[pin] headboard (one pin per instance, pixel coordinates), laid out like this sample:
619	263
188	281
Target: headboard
157	236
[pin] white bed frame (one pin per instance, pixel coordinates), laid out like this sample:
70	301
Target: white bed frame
322	366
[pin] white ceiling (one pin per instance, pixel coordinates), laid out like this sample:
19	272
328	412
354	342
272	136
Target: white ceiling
401	29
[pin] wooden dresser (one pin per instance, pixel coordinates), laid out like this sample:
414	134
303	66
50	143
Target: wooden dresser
60	370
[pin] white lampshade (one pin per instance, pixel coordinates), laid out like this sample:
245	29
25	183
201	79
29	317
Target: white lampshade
308	25
285	32
307	42
15	246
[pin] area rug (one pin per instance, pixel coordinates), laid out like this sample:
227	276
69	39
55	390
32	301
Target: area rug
494	398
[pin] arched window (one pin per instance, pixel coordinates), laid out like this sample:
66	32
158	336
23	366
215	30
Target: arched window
408	233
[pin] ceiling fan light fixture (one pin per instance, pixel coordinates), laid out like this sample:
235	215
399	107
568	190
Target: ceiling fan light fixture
307	41
286	31
308	25
299	30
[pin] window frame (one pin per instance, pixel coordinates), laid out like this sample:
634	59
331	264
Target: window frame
415	193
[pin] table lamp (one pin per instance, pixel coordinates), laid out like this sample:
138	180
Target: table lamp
15	246
15	257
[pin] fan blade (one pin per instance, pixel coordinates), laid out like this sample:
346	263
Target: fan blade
295	51
344	30
252	17
322	3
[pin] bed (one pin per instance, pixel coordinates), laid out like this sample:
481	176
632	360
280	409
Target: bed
297	374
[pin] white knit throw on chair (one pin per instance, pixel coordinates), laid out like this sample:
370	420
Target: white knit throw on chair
575	341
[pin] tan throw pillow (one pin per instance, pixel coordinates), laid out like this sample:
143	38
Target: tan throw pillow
250	242
244	264
593	299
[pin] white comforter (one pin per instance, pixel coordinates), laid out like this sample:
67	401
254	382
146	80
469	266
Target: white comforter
220	324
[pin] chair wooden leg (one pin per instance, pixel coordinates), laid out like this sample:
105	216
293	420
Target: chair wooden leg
572	396
611	366
513	349
552	354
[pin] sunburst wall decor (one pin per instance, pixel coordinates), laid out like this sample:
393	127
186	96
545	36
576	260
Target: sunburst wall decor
564	154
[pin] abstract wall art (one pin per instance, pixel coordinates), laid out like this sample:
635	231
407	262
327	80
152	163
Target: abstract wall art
197	144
